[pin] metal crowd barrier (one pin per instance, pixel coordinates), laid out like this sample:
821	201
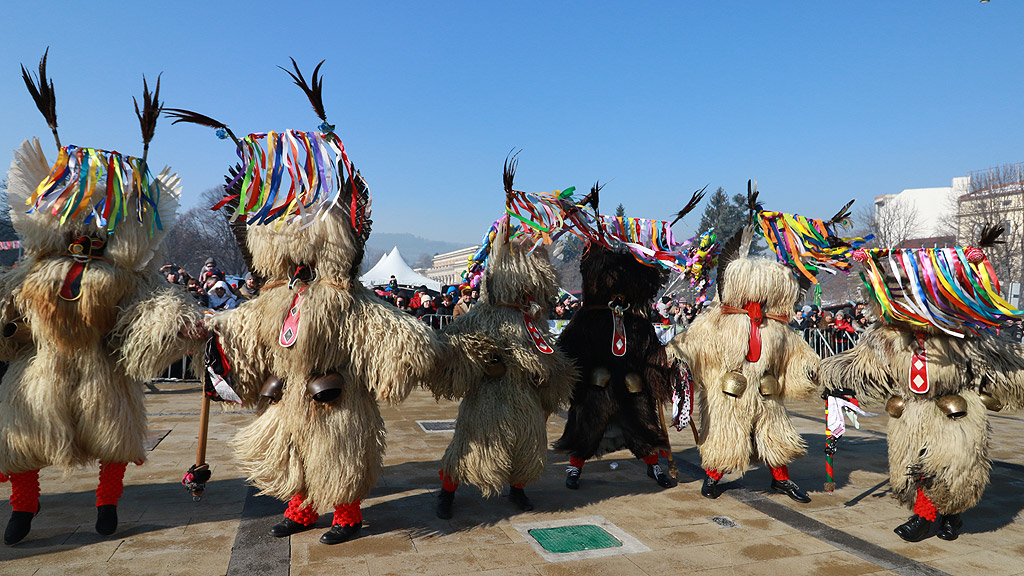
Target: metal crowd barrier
437	321
829	342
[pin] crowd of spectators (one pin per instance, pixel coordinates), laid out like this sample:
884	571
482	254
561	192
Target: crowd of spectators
851	318
210	287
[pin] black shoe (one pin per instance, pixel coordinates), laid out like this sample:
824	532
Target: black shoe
518	497
710	488
18	527
655	471
789	488
572	478
106	519
949	527
915	529
287	527
444	504
338	533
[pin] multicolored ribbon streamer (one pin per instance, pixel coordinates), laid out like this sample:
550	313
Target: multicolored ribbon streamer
953	289
293	175
100	186
807	245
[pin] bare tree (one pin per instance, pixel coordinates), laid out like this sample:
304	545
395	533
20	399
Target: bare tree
893	221
996	196
201	233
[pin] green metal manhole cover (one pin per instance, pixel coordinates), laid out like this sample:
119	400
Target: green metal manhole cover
565	539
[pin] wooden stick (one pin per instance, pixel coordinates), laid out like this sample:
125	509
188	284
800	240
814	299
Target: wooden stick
673	471
204	428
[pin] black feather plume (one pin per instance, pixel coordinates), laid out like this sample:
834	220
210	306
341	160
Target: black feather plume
182	115
149	114
314	92
990	235
843	213
694	200
753	206
45	99
509	175
593	197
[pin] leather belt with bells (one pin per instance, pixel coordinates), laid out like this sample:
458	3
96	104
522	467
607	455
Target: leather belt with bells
82	250
757	318
618	307
290	329
919	367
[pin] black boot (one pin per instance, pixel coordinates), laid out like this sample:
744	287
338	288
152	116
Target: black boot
287	527
949	527
915	529
106	519
789	488
710	488
518	497
18	527
444	504
655	471
338	533
572	478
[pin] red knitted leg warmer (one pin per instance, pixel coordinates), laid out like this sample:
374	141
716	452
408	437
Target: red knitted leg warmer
25	491
924	508
520	486
651	460
781	473
111	485
713	474
306	516
447	484
348	514
577	462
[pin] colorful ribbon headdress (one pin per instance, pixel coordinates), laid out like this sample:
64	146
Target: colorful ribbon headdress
953	289
291	175
105	187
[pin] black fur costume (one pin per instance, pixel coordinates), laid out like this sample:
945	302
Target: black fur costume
607	418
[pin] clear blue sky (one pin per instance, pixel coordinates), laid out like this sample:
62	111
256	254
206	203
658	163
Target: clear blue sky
819	101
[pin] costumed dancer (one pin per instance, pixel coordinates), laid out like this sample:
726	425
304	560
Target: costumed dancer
316	352
624	371
931	358
745	360
500	432
86	315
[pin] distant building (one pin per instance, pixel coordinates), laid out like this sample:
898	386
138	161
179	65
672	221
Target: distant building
933	207
447	268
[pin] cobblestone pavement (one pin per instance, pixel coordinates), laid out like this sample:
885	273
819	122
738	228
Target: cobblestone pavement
748	530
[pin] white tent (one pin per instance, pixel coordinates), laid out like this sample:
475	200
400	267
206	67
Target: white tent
394	264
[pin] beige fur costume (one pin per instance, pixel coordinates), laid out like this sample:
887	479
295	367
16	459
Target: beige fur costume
500	433
946	458
72	393
736	430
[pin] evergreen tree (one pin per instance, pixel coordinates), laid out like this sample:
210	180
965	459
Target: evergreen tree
620	211
727	217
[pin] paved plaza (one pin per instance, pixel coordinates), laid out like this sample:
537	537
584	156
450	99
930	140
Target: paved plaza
748	530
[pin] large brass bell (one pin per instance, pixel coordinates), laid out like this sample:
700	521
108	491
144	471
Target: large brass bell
769	385
494	366
634	383
990	402
600	377
952	405
895	406
272	389
325	388
734	384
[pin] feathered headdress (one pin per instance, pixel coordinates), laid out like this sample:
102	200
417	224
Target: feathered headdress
291	175
103	187
953	289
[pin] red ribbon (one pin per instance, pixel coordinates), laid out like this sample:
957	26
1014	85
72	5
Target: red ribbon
756	319
919	367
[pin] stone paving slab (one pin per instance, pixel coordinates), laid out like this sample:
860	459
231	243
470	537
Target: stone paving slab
162	531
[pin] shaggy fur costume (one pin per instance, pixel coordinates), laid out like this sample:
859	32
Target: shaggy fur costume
72	393
500	433
736	431
946	458
607	418
328	453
